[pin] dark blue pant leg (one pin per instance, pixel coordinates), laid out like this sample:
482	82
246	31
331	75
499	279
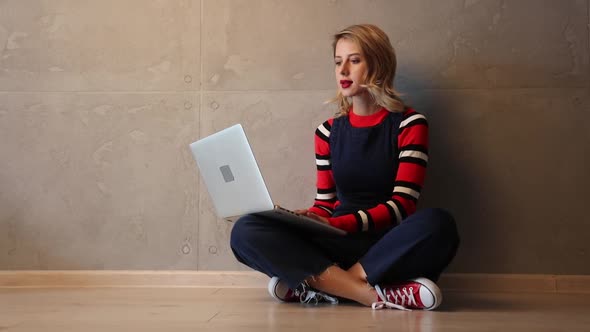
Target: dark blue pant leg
276	250
421	246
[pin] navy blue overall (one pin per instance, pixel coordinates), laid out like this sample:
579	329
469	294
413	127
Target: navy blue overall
364	165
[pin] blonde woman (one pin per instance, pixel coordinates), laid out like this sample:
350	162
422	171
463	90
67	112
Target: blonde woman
371	164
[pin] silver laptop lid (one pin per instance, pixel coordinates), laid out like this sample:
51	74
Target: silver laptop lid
230	173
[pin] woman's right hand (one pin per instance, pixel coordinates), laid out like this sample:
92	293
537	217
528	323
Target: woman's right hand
302	212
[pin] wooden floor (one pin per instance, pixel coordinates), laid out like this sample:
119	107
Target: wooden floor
251	309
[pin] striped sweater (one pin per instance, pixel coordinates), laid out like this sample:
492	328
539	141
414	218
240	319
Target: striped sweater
411	158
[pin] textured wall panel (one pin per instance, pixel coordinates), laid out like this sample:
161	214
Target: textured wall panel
68	45
280	128
512	165
93	181
254	45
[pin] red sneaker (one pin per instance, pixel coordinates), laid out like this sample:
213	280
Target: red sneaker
304	294
419	293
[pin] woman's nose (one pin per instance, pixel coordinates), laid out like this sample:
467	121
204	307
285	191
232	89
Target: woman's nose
344	69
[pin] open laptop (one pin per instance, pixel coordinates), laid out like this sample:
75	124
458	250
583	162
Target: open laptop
235	184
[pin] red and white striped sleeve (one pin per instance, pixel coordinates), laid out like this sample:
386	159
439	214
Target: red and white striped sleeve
325	200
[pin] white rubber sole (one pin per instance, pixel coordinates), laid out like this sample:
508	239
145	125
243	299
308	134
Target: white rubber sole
272	286
434	290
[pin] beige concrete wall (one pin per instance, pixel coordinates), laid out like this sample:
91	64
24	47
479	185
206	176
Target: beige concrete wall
100	99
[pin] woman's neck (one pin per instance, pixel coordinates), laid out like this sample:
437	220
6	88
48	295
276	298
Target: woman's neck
364	105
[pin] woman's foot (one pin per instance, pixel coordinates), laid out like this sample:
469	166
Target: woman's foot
419	293
303	293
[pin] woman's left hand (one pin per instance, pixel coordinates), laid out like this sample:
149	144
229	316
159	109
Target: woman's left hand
316	217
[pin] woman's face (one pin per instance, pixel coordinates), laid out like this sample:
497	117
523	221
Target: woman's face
350	68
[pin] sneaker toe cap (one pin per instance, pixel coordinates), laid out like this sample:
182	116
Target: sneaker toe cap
427	298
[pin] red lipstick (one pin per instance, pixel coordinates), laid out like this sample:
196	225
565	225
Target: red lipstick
345	83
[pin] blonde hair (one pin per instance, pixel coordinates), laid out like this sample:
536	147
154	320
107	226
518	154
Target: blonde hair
381	63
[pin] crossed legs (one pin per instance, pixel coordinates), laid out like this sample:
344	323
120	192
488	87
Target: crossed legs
421	246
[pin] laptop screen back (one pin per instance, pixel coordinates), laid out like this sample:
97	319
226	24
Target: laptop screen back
231	174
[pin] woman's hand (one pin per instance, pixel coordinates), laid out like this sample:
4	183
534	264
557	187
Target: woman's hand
316	217
305	212
302	212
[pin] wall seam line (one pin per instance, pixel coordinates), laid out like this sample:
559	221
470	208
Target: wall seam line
200	94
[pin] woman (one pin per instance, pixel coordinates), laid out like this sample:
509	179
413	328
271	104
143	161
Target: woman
371	164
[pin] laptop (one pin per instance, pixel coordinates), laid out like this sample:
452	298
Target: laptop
235	184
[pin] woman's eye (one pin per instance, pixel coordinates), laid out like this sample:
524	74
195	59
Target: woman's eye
355	61
337	63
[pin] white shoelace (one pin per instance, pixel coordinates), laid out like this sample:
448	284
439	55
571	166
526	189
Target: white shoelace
401	298
311	296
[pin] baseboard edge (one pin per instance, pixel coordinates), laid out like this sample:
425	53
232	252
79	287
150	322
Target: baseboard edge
457	282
